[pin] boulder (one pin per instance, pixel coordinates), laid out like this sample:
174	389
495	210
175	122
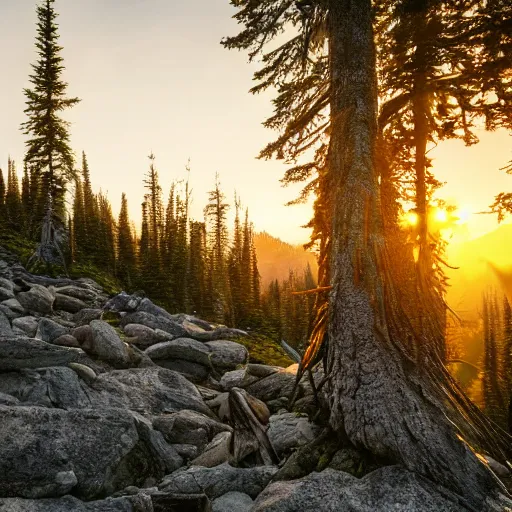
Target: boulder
6	399
66	340
107	345
83	334
194	372
76	292
9	313
15	306
216	452
140	503
169	502
274	386
84	316
181	348
27	324
215	482
6	284
18	353
150	391
144	336
232	501
149	307
227	355
38	299
149	320
69	304
388	488
62	451
6	294
49	330
288	431
236	379
5	326
187	451
86	373
123	302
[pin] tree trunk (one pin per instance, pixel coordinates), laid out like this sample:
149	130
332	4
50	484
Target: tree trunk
380	402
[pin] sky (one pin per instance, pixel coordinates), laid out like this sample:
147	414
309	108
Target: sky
153	77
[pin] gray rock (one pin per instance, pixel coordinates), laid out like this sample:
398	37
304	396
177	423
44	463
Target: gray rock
236	379
69	304
216	452
6	294
227	355
6	399
107	345
145	336
123	302
274	386
49	330
15	306
194	372
82	294
9	313
38	299
55	443
18	353
287	431
5	326
6	284
140	503
232	501
149	320
181	348
66	340
187	451
189	427
84	316
86	373
149	307
84	336
27	324
387	488
215	482
149	391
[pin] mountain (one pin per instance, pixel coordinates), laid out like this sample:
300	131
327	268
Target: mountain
276	258
484	264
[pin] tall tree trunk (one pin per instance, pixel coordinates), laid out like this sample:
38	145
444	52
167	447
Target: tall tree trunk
380	402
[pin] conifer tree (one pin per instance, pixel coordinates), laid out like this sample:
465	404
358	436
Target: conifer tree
255	276
105	255
180	257
197	268
2	190
79	224
507	346
48	146
126	255
235	269
13	206
144	268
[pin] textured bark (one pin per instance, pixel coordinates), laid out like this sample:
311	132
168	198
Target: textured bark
379	400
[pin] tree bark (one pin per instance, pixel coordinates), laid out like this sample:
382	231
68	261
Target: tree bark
380	402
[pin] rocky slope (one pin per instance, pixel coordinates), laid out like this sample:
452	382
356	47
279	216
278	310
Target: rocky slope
113	404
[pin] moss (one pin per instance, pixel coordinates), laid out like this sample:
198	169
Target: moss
264	350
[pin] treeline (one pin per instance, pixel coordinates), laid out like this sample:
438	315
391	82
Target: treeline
497	358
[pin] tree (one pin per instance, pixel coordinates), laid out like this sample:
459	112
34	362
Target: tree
13	206
374	384
197	268
48	146
126	256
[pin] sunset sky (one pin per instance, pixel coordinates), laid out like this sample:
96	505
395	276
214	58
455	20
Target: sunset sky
153	77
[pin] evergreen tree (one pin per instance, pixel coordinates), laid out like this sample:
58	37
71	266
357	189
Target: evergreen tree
197	268
180	257
235	269
144	252
507	346
90	213
2	190
48	147
106	253
126	255
13	206
79	224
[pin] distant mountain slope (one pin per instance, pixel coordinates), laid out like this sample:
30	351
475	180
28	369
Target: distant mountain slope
276	258
480	262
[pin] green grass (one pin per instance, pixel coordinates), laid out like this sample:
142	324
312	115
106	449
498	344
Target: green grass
265	350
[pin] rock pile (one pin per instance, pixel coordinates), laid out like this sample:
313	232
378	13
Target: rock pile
113	404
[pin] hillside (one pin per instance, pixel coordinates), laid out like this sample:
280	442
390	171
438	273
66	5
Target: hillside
276	258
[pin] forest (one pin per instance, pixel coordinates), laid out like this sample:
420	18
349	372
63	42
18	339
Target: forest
361	92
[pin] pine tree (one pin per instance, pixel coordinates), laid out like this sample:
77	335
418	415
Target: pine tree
180	257
79	224
507	346
2	189
13	206
235	269
197	268
105	257
144	267
90	213
126	256
48	146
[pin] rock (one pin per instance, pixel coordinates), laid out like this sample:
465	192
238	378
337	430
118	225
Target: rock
67	303
83	334
37	299
75	292
274	386
189	427
140	503
149	320
287	431
215	482
150	391
106	344
145	336
27	324
227	355
18	353
388	488
6	284
496	467
9	313
232	501
15	306
6	294
86	373
5	326
6	399
236	379
262	370
47	387
348	460
187	451
181	348
215	452
85	316
56	443
123	302
49	330
66	340
194	372
168	502
149	307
